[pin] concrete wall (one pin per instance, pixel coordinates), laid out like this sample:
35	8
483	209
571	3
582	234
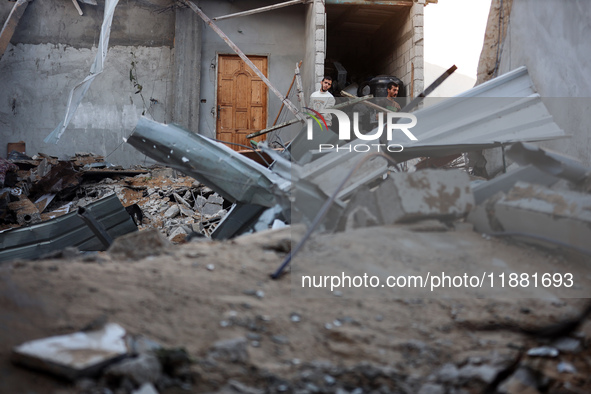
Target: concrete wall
550	37
404	57
313	67
52	50
279	34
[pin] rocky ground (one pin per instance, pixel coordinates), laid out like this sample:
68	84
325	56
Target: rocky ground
232	329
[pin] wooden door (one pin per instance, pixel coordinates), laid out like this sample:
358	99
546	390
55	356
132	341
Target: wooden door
241	100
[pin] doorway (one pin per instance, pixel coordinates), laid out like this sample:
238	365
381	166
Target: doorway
241	100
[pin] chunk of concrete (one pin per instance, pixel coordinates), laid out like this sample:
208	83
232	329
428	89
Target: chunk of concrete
145	368
75	355
177	235
409	197
563	216
172	212
210	209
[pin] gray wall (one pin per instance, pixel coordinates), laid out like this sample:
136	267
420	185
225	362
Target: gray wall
53	50
278	34
551	38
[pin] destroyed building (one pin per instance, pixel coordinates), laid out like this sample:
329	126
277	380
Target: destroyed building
166	63
402	272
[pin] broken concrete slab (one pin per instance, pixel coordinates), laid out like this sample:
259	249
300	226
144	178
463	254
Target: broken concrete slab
145	368
75	355
550	162
409	197
562	217
504	183
177	235
172	211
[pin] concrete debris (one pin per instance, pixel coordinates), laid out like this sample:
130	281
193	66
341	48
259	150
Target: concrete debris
408	197
564	367
45	188
568	345
550	162
146	388
504	183
145	368
544	351
524	380
76	355
538	214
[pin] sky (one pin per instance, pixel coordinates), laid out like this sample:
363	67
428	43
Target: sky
454	31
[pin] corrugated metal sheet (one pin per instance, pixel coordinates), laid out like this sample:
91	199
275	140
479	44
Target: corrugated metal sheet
67	230
233	176
504	110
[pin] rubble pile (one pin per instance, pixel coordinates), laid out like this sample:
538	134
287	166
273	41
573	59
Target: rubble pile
41	188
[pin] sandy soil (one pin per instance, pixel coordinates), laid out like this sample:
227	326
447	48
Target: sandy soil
195	294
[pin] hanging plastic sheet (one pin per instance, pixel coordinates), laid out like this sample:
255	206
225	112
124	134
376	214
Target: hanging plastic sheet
77	94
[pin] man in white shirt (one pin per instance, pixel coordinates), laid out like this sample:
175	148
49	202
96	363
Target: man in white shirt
323	99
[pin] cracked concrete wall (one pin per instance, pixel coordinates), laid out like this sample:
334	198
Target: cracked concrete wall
52	50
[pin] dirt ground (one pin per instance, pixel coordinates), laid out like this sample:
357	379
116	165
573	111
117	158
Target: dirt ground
195	294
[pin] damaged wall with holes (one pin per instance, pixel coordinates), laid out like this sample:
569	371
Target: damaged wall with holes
549	37
52	50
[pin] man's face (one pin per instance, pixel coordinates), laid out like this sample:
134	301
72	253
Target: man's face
393	91
326	84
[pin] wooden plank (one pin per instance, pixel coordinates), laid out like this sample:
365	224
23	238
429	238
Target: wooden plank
220	33
11	23
258	10
77	7
287	95
301	97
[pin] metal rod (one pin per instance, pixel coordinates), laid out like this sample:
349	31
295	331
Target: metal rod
254	68
290	122
373	105
301	97
429	89
258	10
287	95
322	213
18	9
